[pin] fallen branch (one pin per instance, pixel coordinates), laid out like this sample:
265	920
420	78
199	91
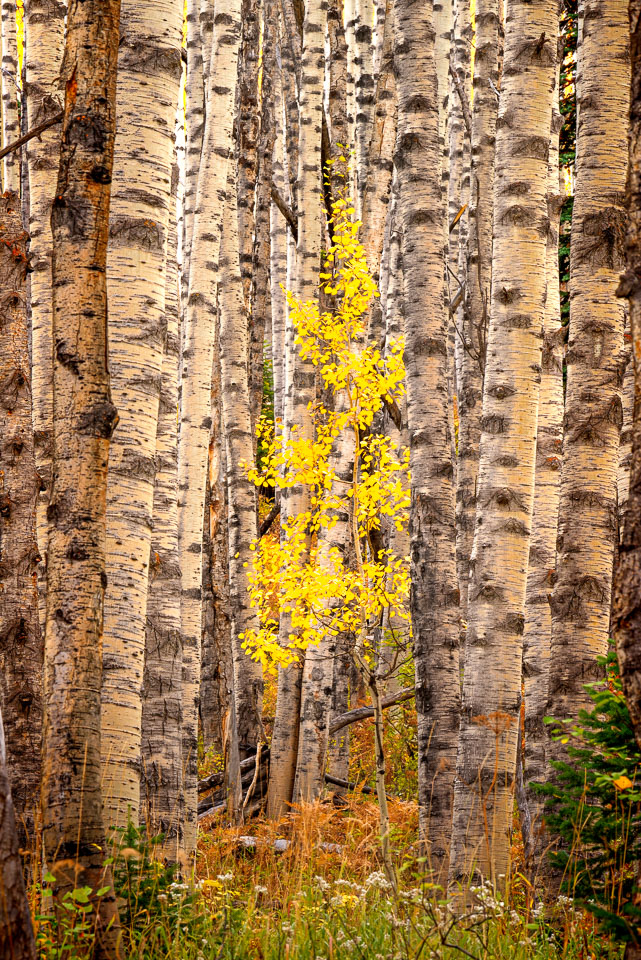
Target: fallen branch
30	134
364	713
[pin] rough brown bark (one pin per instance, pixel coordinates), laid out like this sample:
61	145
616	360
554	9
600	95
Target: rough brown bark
16	930
83	420
21	641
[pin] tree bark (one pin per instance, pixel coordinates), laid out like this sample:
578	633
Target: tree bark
162	678
198	355
241	492
10	113
486	763
21	641
83	421
45	31
478	279
16	930
587	532
626	605
434	593
149	71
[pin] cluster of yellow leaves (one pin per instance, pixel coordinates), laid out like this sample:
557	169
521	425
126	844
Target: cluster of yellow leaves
303	575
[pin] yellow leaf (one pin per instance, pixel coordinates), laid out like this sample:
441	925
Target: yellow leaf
622	783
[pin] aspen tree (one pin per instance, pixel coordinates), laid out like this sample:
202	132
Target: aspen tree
542	555
247	123
478	279
625	443
162	678
45	30
434	593
83	421
194	126
198	355
9	86
587	531
300	375
364	92
21	640
149	71
278	249
16	929
492	682
626	613
241	492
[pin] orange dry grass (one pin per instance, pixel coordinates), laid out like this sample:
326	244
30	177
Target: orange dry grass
353	827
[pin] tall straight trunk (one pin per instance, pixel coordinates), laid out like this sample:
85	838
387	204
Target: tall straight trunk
246	139
350	22
478	277
300	375
365	89
336	79
20	636
149	71
83	421
278	251
492	682
195	413
626	611
10	115
194	127
627	434
587	532
241	492
542	556
162	679
377	192
16	930
45	31
434	592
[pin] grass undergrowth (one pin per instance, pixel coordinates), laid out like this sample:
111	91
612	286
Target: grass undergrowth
325	897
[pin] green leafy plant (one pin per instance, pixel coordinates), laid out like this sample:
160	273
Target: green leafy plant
594	807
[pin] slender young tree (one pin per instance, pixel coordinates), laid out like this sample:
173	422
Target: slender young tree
198	356
149	71
21	641
626	610
83	421
434	592
45	32
588	528
492	682
241	492
16	930
300	375
9	83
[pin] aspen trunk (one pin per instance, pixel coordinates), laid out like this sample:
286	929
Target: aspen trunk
162	679
626	612
434	594
278	252
542	555
21	642
364	92
241	492
627	432
45	30
16	930
83	421
195	413
194	127
10	116
587	532
149	70
478	278
486	762
300	375
246	139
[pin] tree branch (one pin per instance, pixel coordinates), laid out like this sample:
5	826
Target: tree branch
269	519
30	134
465	107
286	211
363	713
